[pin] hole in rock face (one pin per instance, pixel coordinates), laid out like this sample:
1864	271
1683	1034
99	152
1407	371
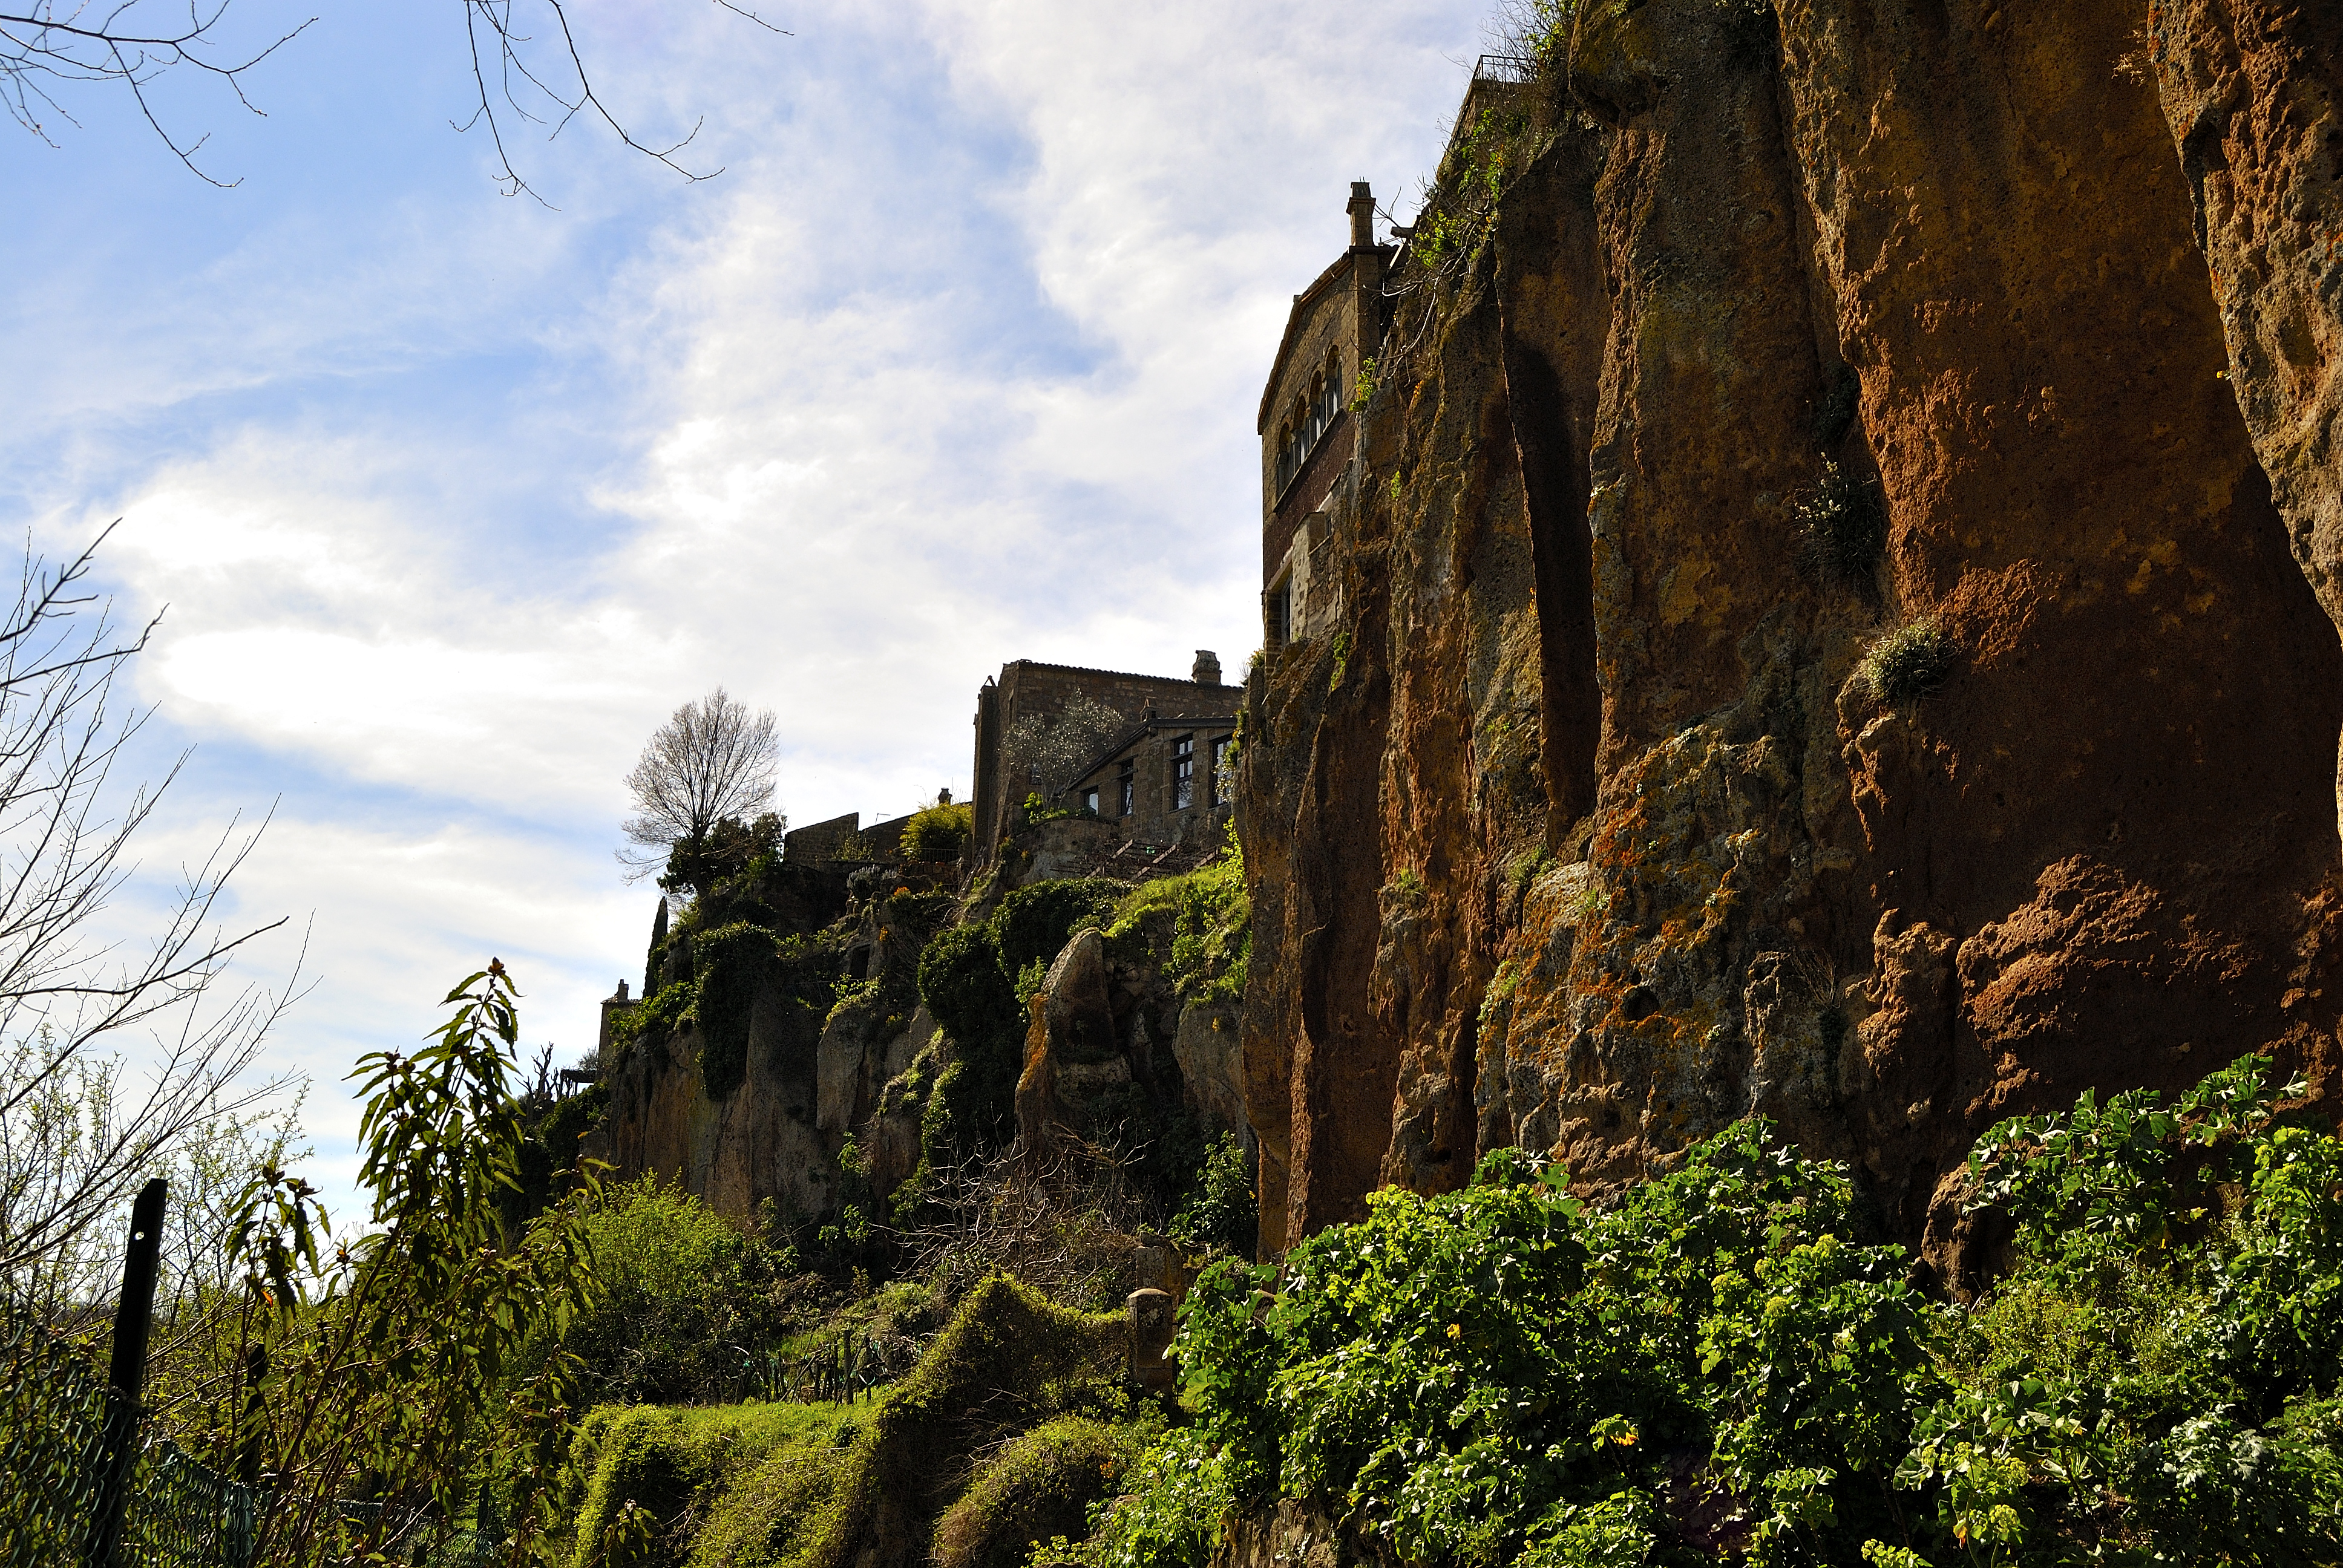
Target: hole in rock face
1639	1003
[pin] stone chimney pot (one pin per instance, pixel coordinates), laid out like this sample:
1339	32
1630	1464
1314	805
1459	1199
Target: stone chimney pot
1208	667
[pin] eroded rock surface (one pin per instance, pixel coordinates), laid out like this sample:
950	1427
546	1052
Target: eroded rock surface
1792	334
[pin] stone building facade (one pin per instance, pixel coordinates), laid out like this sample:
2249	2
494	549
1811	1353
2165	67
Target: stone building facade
1027	688
1305	425
1166	780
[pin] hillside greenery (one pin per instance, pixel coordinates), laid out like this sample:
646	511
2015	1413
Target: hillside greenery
1724	1367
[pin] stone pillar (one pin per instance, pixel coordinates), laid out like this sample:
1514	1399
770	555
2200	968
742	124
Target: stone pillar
1152	1323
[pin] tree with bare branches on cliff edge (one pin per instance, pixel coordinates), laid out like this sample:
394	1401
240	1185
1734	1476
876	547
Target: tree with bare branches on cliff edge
711	759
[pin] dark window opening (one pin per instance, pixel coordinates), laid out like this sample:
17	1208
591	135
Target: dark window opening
1278	616
1124	782
1223	777
1089	801
1184	773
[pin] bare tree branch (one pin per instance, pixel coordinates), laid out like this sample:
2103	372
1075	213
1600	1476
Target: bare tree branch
74	1139
52	47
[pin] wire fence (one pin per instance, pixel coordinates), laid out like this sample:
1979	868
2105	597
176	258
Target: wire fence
56	1493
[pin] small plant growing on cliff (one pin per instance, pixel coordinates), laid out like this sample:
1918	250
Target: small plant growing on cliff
1908	663
1365	389
1220	1216
1341	660
1841	524
1404	893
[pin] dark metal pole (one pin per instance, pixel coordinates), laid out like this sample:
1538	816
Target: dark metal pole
134	1319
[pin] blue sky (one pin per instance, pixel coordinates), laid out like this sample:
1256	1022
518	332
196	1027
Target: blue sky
454	497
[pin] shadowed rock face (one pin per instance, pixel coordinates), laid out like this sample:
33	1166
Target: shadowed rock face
1588	832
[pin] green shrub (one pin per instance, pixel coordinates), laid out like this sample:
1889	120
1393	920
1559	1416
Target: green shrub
1041	1485
726	852
657	1018
1221	1214
679	1287
1002	1352
1174	1514
1908	663
1034	922
1500	1375
761	1519
1211	940
937	833
1841	524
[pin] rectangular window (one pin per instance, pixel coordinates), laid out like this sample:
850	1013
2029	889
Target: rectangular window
1184	773
1089	801
1278	614
1123	782
1223	783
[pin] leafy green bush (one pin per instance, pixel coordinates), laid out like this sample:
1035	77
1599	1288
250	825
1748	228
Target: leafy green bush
1212	941
657	1018
937	832
1041	1485
1173	1516
1220	1215
727	852
1004	1350
976	1005
1719	1365
1033	922
1908	663
680	1289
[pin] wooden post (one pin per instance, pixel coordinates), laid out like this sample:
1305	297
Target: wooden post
134	1321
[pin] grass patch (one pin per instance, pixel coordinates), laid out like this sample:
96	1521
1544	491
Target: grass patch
1004	1349
1909	662
663	1460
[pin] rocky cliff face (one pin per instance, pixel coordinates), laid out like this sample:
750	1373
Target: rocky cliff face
1841	582
771	1046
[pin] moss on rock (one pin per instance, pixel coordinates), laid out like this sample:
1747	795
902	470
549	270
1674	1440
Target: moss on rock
1039	1487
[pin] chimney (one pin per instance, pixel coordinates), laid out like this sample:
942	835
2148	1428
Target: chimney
1208	667
1363	216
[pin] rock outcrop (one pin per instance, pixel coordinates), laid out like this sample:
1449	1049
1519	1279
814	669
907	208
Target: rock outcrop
1839	607
804	1071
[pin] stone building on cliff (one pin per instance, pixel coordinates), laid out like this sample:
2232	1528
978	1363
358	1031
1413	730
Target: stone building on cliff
1305	425
1165	779
1028	689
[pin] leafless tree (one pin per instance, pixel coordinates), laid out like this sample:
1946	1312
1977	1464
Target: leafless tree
525	66
1062	1220
711	759
79	1128
1044	755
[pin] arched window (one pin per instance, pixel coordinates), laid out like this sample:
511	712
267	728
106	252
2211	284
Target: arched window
1311	415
